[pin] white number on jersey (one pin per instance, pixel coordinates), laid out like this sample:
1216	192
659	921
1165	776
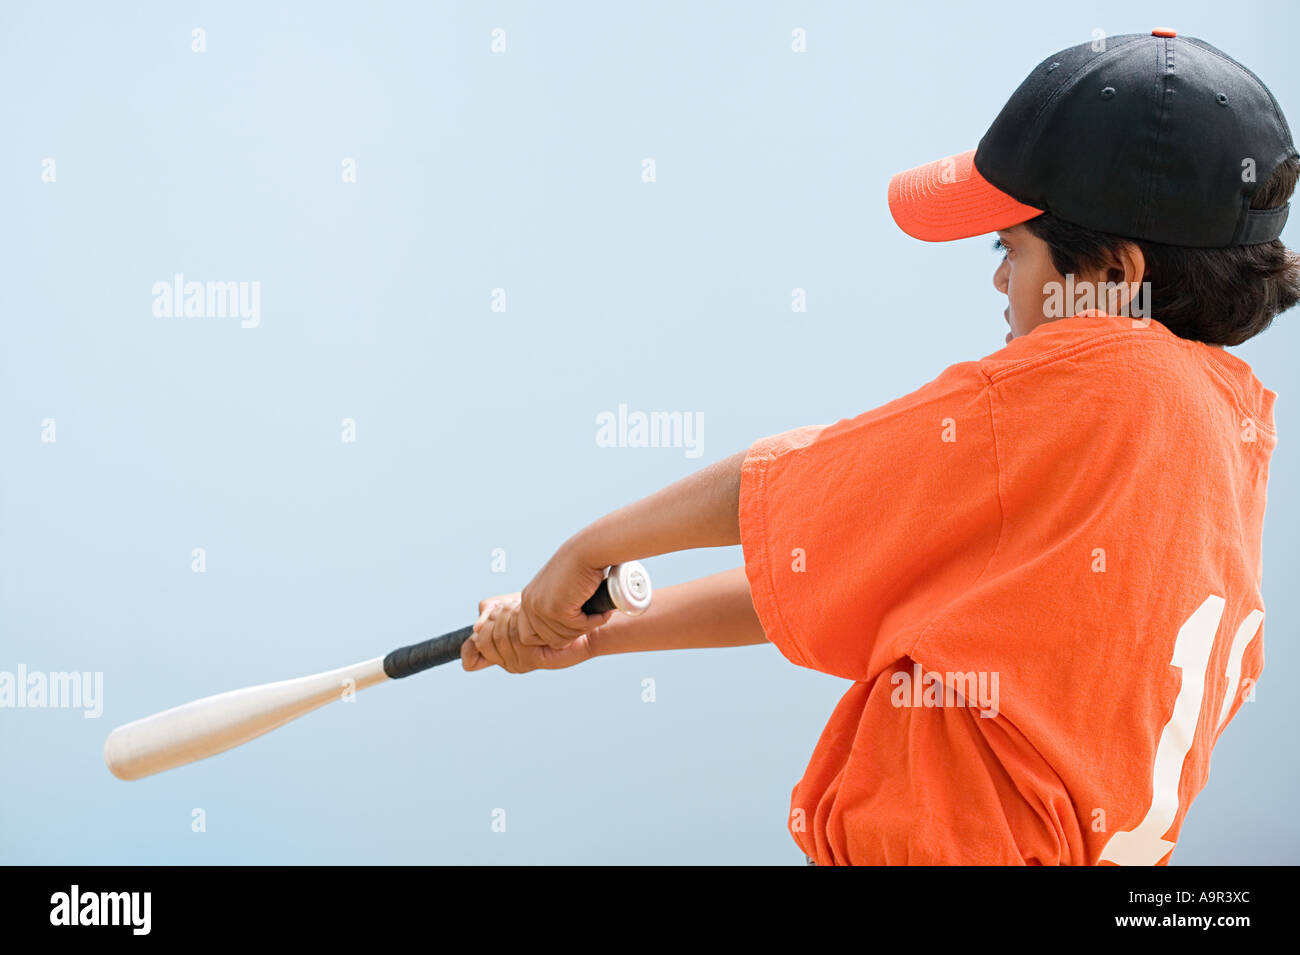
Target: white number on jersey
1146	845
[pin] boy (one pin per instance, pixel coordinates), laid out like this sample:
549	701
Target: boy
1041	571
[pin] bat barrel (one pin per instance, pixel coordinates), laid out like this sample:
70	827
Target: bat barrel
215	724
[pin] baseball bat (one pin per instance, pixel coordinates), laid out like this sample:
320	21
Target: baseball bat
214	724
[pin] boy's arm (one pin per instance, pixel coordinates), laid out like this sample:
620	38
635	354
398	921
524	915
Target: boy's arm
700	510
714	611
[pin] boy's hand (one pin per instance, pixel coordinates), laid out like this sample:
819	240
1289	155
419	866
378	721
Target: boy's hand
499	640
552	601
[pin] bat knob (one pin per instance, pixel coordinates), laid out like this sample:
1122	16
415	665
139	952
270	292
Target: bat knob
629	588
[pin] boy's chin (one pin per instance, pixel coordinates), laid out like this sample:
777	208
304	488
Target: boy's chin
1010	335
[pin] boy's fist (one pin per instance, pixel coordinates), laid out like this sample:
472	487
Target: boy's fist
505	637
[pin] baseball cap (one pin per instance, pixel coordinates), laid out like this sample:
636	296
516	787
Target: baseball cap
1152	137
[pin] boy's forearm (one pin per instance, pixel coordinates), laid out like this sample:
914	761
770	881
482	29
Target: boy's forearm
714	611
700	510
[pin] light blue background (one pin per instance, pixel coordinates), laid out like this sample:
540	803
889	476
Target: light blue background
476	429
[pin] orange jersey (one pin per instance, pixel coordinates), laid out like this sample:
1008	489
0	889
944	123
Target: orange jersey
1041	571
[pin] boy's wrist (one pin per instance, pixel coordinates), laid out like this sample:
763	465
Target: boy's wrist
600	642
589	548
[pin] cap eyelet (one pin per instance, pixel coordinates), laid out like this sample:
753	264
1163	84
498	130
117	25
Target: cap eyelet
1108	92
1052	67
1222	98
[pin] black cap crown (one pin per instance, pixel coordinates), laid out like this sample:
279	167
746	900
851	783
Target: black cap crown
1152	137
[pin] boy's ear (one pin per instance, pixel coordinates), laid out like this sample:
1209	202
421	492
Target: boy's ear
1125	272
1128	264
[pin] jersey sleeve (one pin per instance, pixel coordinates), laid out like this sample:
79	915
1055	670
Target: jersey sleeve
855	534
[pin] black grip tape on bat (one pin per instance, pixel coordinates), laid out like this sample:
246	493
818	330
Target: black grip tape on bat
405	661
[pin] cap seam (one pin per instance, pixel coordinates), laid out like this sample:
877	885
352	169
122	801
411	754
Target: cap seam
1243	220
1072	78
1165	56
1067	82
1250	74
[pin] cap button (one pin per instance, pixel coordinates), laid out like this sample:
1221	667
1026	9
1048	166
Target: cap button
1164	31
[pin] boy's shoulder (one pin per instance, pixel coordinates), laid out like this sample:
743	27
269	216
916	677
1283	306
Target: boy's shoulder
1069	340
1124	362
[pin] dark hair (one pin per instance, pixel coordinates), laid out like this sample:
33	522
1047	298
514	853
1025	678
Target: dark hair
1217	296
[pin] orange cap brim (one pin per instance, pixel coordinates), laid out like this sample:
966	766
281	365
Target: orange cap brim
949	199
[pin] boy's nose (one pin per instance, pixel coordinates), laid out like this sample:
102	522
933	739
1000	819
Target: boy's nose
1000	278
